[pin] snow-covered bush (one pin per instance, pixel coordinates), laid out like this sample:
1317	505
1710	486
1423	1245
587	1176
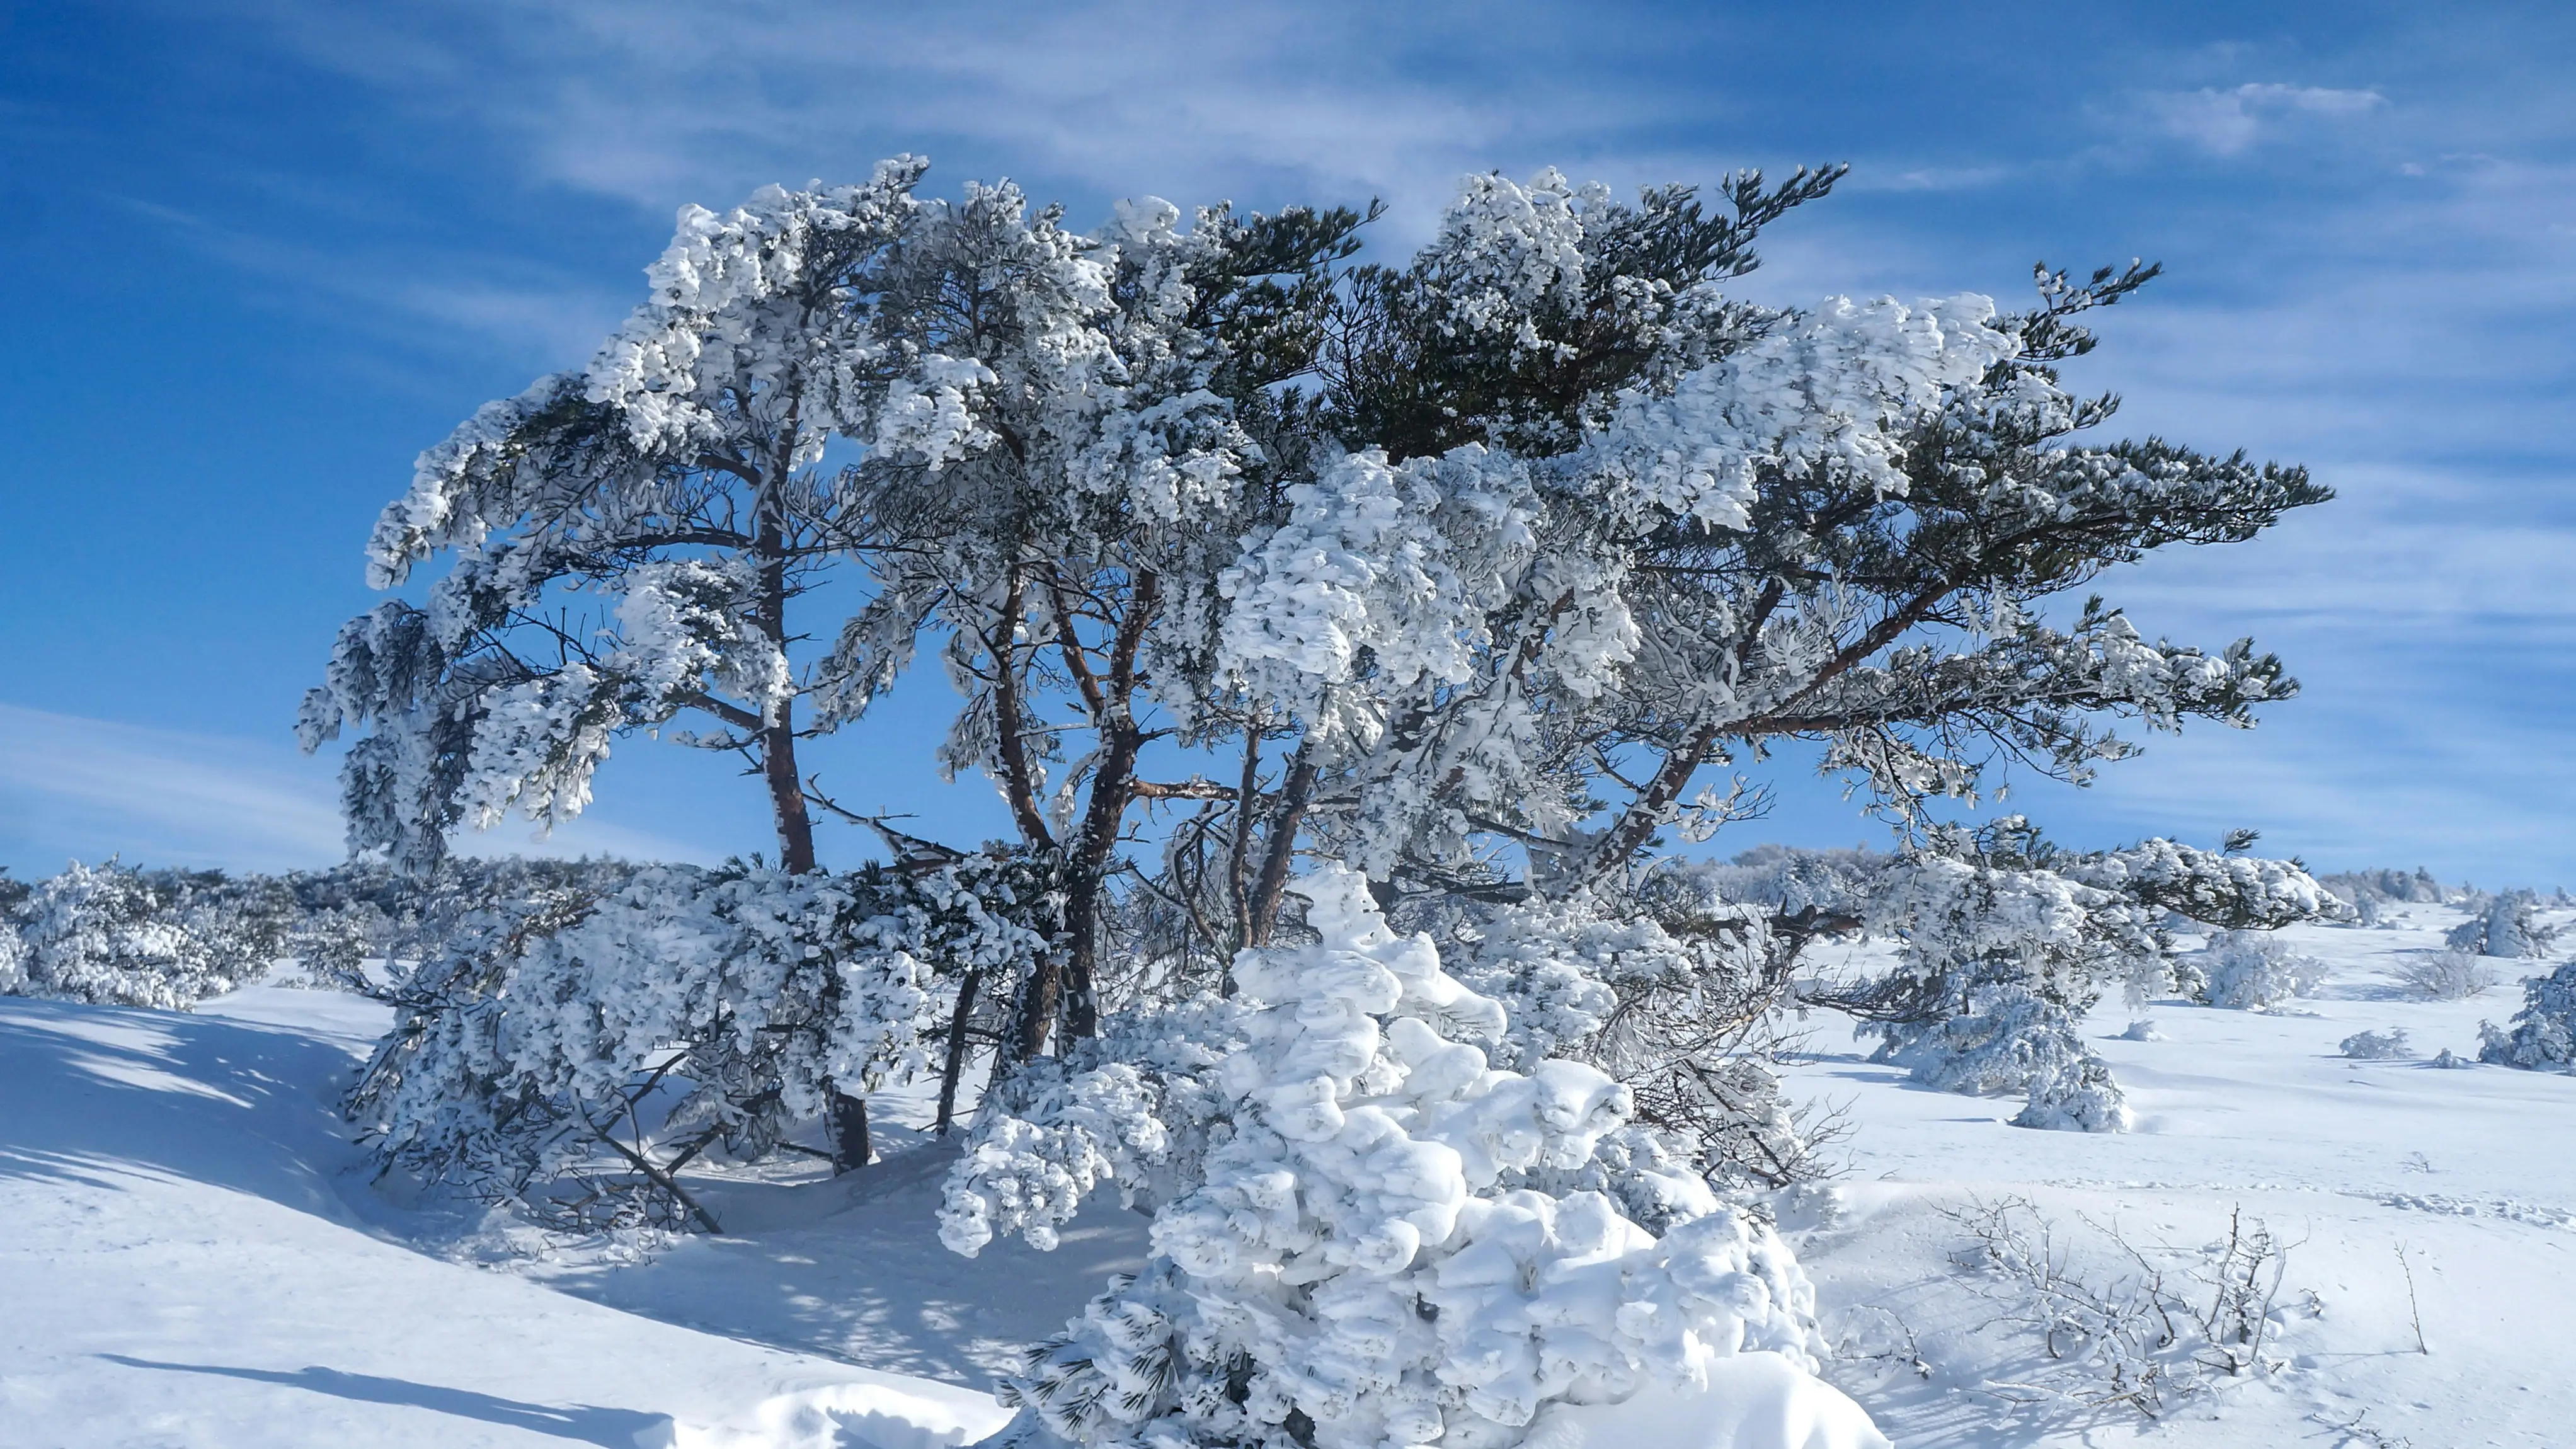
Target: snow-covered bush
2377	1046
2543	1034
2075	1094
1790	878
2013	1040
2253	971
572	1051
119	936
2507	925
2450	974
1358	1261
2417	887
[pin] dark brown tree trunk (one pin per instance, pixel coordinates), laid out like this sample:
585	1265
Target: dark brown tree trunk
778	733
1037	1008
787	793
1295	794
956	1065
850	1146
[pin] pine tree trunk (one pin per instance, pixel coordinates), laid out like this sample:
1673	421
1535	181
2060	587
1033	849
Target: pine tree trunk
787	793
850	1146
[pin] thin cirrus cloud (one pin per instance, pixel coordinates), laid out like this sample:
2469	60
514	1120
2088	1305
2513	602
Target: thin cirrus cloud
2227	122
89	789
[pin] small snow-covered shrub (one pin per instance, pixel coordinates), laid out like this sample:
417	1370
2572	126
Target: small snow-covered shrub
2253	971
2543	1035
1359	1262
2377	1046
2075	1094
2416	887
124	937
2447	975
2014	1041
2508	925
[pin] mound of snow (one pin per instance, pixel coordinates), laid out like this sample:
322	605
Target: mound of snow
1756	1400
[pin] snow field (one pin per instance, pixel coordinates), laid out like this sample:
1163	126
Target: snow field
2469	1173
194	1261
197	1258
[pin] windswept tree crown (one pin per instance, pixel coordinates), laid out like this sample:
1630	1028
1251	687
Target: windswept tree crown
1461	571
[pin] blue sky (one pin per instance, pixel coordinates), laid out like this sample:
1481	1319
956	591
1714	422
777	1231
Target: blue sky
265	252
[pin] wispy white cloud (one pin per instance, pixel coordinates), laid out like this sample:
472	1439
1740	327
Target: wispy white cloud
656	102
2227	122
537	317
94	788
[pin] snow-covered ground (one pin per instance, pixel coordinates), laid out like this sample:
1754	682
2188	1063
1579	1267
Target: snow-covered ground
195	1255
2470	1173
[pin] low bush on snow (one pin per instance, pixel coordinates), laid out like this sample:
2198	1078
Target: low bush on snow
2506	925
118	936
2543	1034
2124	1325
2377	1046
570	1052
2447	975
2253	971
2015	1041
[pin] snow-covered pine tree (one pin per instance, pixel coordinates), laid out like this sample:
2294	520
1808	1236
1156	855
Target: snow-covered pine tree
1358	1259
2253	971
2543	1034
2004	939
2507	925
1422	559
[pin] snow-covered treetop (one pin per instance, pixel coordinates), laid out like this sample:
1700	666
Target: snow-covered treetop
1397	565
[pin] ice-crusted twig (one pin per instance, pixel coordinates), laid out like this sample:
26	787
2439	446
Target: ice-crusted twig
2358	1432
2244	1282
2414	1310
1907	1355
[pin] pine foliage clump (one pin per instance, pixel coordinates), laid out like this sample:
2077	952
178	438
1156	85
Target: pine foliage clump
1670	997
1358	1263
2543	1034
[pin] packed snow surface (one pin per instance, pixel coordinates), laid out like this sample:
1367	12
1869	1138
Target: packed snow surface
197	1256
